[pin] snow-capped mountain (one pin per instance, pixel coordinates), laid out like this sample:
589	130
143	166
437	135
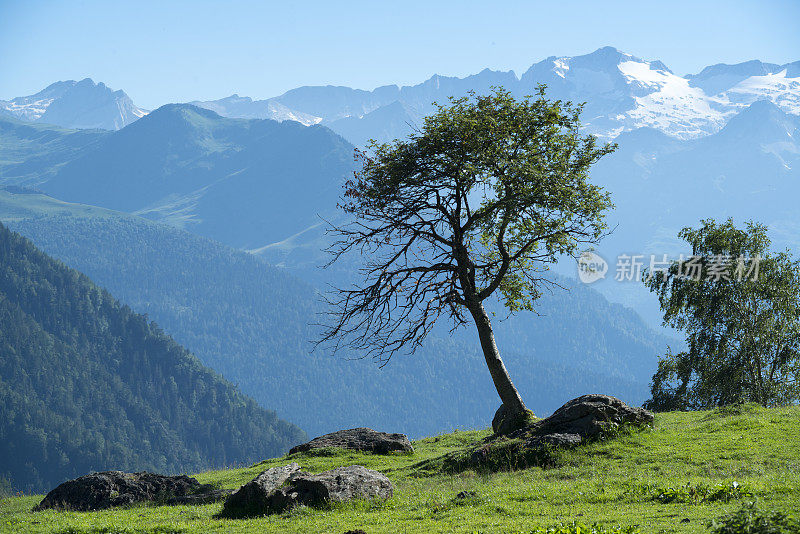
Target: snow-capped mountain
247	108
622	92
72	104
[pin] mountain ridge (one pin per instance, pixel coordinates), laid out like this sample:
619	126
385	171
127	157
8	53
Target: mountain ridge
194	169
623	91
76	104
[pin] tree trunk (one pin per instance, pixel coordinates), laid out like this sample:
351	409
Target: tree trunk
502	382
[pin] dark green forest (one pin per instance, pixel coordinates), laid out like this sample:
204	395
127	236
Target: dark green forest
87	384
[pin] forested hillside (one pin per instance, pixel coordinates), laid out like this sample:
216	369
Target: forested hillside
87	384
251	322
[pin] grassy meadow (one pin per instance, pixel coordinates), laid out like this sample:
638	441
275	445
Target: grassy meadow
689	469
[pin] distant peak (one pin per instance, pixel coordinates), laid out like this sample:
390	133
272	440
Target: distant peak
608	53
182	110
763	106
59	84
236	98
607	50
759	117
753	67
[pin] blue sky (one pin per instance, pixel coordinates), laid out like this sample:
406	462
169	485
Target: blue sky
169	51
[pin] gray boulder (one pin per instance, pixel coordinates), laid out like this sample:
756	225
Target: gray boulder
340	484
108	489
359	439
281	488
586	417
259	496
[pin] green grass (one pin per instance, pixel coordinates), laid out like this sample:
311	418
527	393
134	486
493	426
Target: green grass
690	468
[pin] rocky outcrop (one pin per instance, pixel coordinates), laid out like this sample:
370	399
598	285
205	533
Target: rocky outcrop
579	420
257	497
586	417
108	489
281	488
359	439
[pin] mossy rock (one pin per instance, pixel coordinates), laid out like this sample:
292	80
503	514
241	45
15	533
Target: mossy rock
505	423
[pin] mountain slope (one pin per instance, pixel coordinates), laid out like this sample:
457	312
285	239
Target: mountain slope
251	322
86	384
72	104
243	107
32	153
234	180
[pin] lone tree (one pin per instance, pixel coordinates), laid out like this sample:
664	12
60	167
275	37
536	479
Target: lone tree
481	200
739	305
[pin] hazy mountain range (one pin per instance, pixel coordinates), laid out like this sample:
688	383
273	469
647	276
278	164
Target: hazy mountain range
266	187
622	92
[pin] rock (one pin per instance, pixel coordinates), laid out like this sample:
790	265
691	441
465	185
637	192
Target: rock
583	418
340	484
281	488
465	495
258	496
359	439
98	491
499	417
504	423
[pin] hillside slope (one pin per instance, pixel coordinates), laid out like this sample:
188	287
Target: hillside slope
690	469
246	183
251	322
31	153
87	384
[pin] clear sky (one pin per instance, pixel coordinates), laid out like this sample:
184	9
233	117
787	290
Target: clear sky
169	50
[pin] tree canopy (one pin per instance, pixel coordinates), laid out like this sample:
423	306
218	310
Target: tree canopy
480	201
739	305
